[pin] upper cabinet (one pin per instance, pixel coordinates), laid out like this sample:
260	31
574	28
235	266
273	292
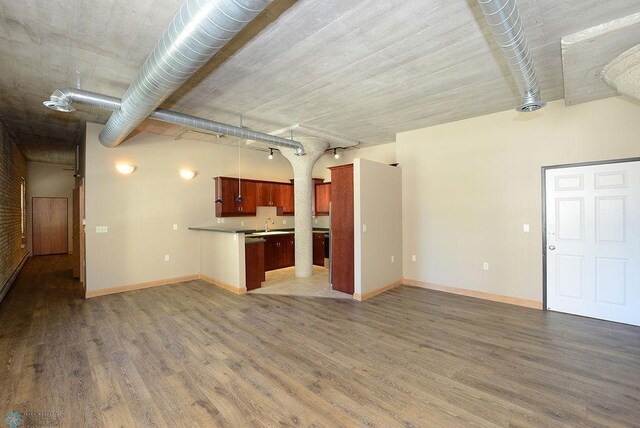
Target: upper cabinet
227	192
254	194
284	198
322	198
265	194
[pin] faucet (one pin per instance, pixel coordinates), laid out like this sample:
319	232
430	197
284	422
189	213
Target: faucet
266	224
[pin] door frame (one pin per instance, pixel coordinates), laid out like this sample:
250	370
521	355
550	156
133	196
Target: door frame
544	211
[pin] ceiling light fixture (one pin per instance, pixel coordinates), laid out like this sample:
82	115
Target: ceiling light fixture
187	174
270	154
125	168
336	155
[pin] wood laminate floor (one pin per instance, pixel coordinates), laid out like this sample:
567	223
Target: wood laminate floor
192	354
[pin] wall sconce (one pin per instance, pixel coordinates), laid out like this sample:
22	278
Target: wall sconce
336	155
125	168
270	154
187	174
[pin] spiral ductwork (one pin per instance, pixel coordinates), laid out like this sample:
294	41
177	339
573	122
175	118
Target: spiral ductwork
503	17
62	99
197	32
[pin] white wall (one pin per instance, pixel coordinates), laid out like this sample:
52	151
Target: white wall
141	208
383	153
378	206
469	186
50	180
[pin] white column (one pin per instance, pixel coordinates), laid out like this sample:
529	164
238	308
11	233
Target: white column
303	197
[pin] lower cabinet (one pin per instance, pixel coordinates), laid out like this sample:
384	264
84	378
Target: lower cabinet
279	251
254	255
318	249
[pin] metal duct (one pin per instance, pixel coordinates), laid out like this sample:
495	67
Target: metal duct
199	30
504	20
61	100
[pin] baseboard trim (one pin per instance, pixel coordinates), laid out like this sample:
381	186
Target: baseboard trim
476	294
114	290
9	282
370	294
224	285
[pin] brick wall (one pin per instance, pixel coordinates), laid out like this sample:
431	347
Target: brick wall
13	168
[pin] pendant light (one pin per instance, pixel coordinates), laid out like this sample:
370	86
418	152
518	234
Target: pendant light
336	155
270	154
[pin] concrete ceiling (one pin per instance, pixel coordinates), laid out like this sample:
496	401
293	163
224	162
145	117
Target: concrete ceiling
587	52
364	69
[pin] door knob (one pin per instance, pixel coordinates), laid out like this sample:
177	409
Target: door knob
552	247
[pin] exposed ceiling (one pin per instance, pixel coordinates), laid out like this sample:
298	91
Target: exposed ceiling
364	70
587	52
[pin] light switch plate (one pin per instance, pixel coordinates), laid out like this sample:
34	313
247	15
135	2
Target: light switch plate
166	257
393	259
102	229
175	226
364	227
413	257
525	228
485	266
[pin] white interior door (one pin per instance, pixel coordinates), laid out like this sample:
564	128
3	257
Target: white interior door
593	241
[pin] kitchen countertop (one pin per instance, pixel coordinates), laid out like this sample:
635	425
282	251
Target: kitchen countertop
221	229
249	231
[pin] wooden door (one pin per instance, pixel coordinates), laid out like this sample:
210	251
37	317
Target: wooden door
593	241
342	258
50	233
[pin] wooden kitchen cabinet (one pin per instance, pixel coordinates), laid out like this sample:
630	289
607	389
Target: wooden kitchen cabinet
318	248
254	265
255	193
227	190
284	198
265	194
279	251
322	198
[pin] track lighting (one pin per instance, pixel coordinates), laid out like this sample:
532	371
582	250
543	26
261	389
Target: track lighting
336	155
270	154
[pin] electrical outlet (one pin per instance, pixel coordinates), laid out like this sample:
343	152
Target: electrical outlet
102	229
242	223
175	226
364	227
221	220
393	259
485	266
166	257
315	221
525	228
413	257
284	221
